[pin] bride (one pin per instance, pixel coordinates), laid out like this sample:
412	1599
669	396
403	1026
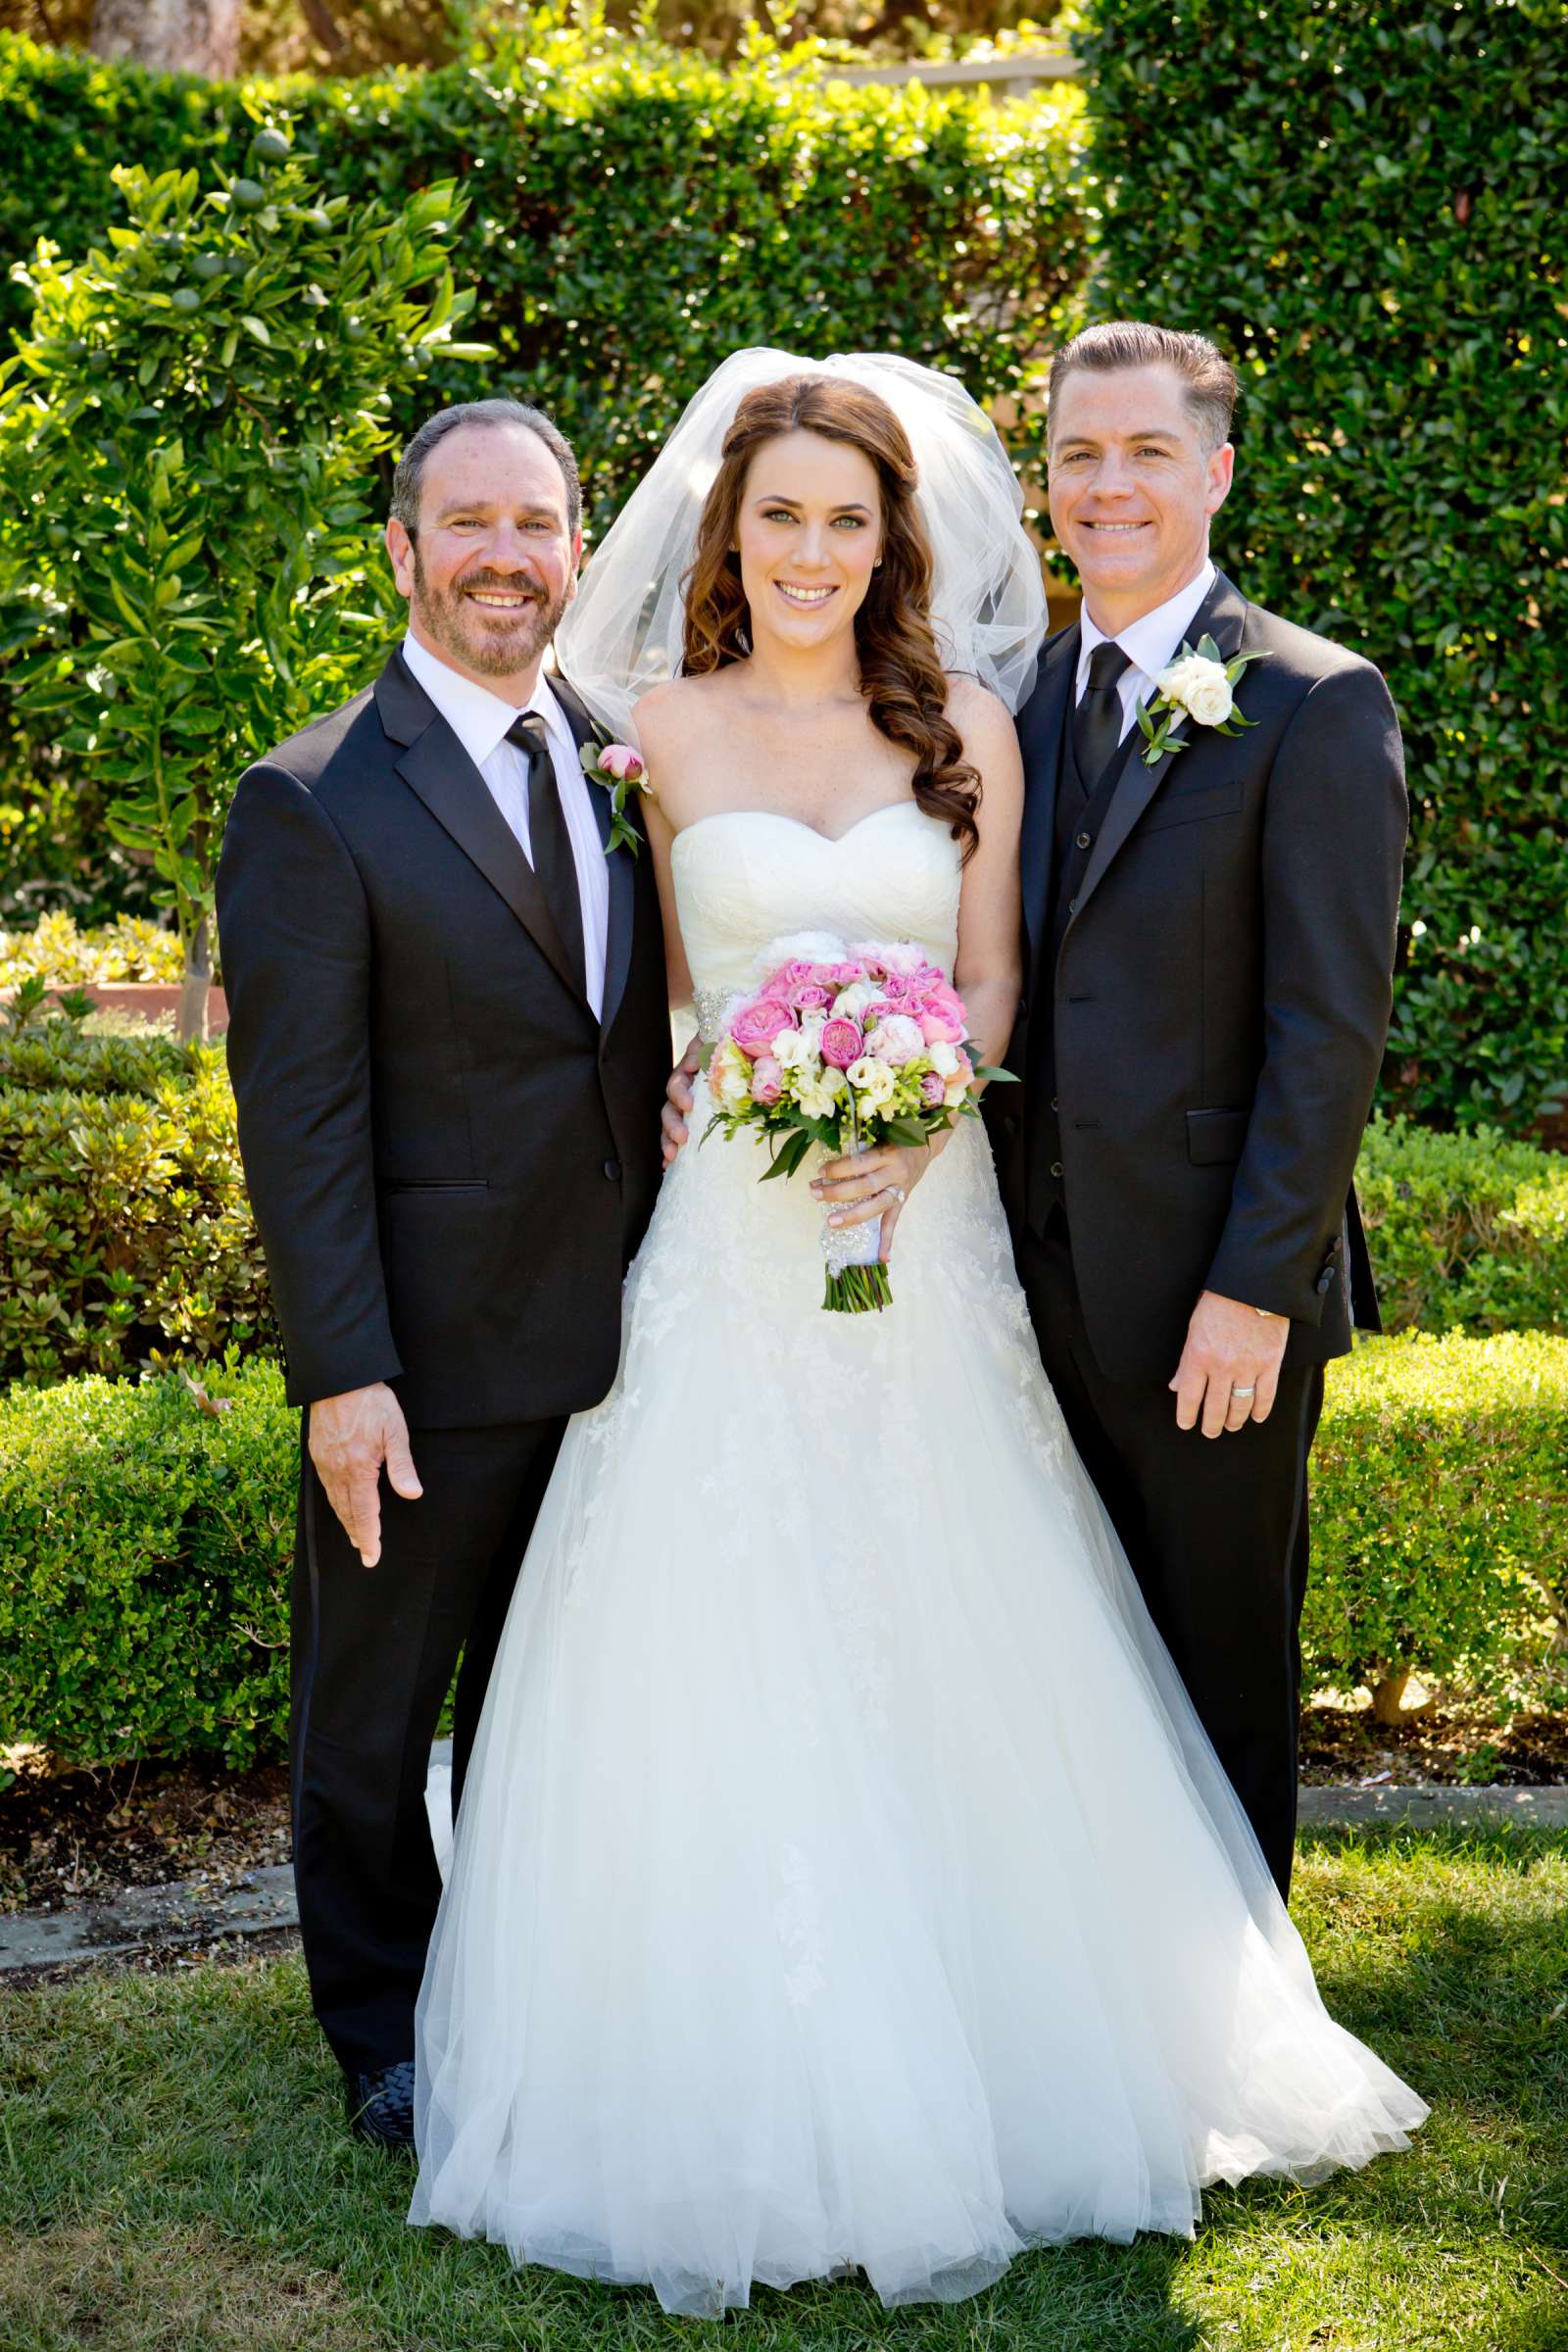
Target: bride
842	1877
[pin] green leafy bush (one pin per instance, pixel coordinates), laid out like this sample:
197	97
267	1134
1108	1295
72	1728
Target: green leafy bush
1440	1500
144	1537
146	1532
1368	208
126	1233
189	435
130	948
1467	1231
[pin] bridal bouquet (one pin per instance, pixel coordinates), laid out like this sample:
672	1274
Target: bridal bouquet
845	1047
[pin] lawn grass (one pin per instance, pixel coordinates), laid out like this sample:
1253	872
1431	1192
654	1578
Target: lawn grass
175	2174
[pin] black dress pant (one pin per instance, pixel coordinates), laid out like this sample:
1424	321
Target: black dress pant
1215	1529
373	1654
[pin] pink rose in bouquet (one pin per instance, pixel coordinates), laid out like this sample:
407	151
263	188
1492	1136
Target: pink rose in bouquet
842	1042
942	1014
757	1024
933	1091
767	1079
812	997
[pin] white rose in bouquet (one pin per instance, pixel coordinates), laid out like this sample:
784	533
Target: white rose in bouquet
873	1081
851	1001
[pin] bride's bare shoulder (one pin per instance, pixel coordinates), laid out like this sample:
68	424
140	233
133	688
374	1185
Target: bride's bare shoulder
679	704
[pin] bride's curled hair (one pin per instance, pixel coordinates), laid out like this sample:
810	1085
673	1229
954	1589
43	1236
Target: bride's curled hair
900	675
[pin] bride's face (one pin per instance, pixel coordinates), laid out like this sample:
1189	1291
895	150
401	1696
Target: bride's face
809	533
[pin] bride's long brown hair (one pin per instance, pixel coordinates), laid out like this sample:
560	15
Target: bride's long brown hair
901	678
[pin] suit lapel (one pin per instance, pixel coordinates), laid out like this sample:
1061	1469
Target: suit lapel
1040	741
1222	616
618	864
433	763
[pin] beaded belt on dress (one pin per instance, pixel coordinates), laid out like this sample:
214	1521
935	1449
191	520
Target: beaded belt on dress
710	1005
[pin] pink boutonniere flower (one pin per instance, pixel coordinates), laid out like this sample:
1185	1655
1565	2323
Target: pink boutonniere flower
621	772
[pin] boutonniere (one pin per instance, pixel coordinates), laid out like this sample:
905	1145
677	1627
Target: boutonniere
1197	686
620	770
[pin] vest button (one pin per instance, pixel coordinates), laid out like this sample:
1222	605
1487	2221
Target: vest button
612	1170
1072	906
1054	1104
1084	840
1057	1169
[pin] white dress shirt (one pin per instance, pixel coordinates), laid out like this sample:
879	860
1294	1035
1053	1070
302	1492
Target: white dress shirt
479	720
1151	643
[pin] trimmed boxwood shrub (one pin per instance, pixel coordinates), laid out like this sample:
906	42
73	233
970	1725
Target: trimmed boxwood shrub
1440	1513
127	1237
144	1537
125	1231
1368	208
1467	1232
145	1532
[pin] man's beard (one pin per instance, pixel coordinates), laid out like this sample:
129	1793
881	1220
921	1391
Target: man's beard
494	644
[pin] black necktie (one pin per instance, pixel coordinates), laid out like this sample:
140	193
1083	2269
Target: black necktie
549	840
1096	721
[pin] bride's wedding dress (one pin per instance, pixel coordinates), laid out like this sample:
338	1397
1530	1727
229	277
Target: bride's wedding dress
843	1876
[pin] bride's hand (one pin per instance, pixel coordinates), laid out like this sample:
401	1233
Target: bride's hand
875	1183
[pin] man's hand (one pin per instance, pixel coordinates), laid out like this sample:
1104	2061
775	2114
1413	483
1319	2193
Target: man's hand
1230	1367
351	1437
679	1100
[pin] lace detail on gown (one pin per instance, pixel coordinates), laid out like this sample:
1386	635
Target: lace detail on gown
842	1875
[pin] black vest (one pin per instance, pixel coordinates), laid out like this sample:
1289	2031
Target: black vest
1080	815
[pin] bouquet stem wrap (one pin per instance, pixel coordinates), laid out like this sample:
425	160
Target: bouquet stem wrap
857	1283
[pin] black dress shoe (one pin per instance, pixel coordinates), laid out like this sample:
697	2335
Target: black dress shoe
381	2106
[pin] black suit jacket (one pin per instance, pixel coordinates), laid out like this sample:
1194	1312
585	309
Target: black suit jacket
1220	999
450	1159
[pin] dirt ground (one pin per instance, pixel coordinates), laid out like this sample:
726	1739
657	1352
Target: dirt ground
68	1834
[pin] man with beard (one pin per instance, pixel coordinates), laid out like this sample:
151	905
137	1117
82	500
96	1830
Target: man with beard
448	1043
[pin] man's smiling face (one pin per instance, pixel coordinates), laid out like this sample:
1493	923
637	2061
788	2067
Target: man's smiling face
1132	487
493	563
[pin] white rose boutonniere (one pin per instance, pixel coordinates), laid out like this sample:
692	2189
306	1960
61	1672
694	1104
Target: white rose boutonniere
1197	685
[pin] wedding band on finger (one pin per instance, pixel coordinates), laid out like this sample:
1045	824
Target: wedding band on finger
1250	1391
897	1191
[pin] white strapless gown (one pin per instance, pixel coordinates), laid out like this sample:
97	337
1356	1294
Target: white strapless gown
843	1876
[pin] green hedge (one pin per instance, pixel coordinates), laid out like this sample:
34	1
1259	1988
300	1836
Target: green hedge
144	1537
637	211
1467	1232
145	1542
124	1227
1440	1515
1368	207
126	1238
